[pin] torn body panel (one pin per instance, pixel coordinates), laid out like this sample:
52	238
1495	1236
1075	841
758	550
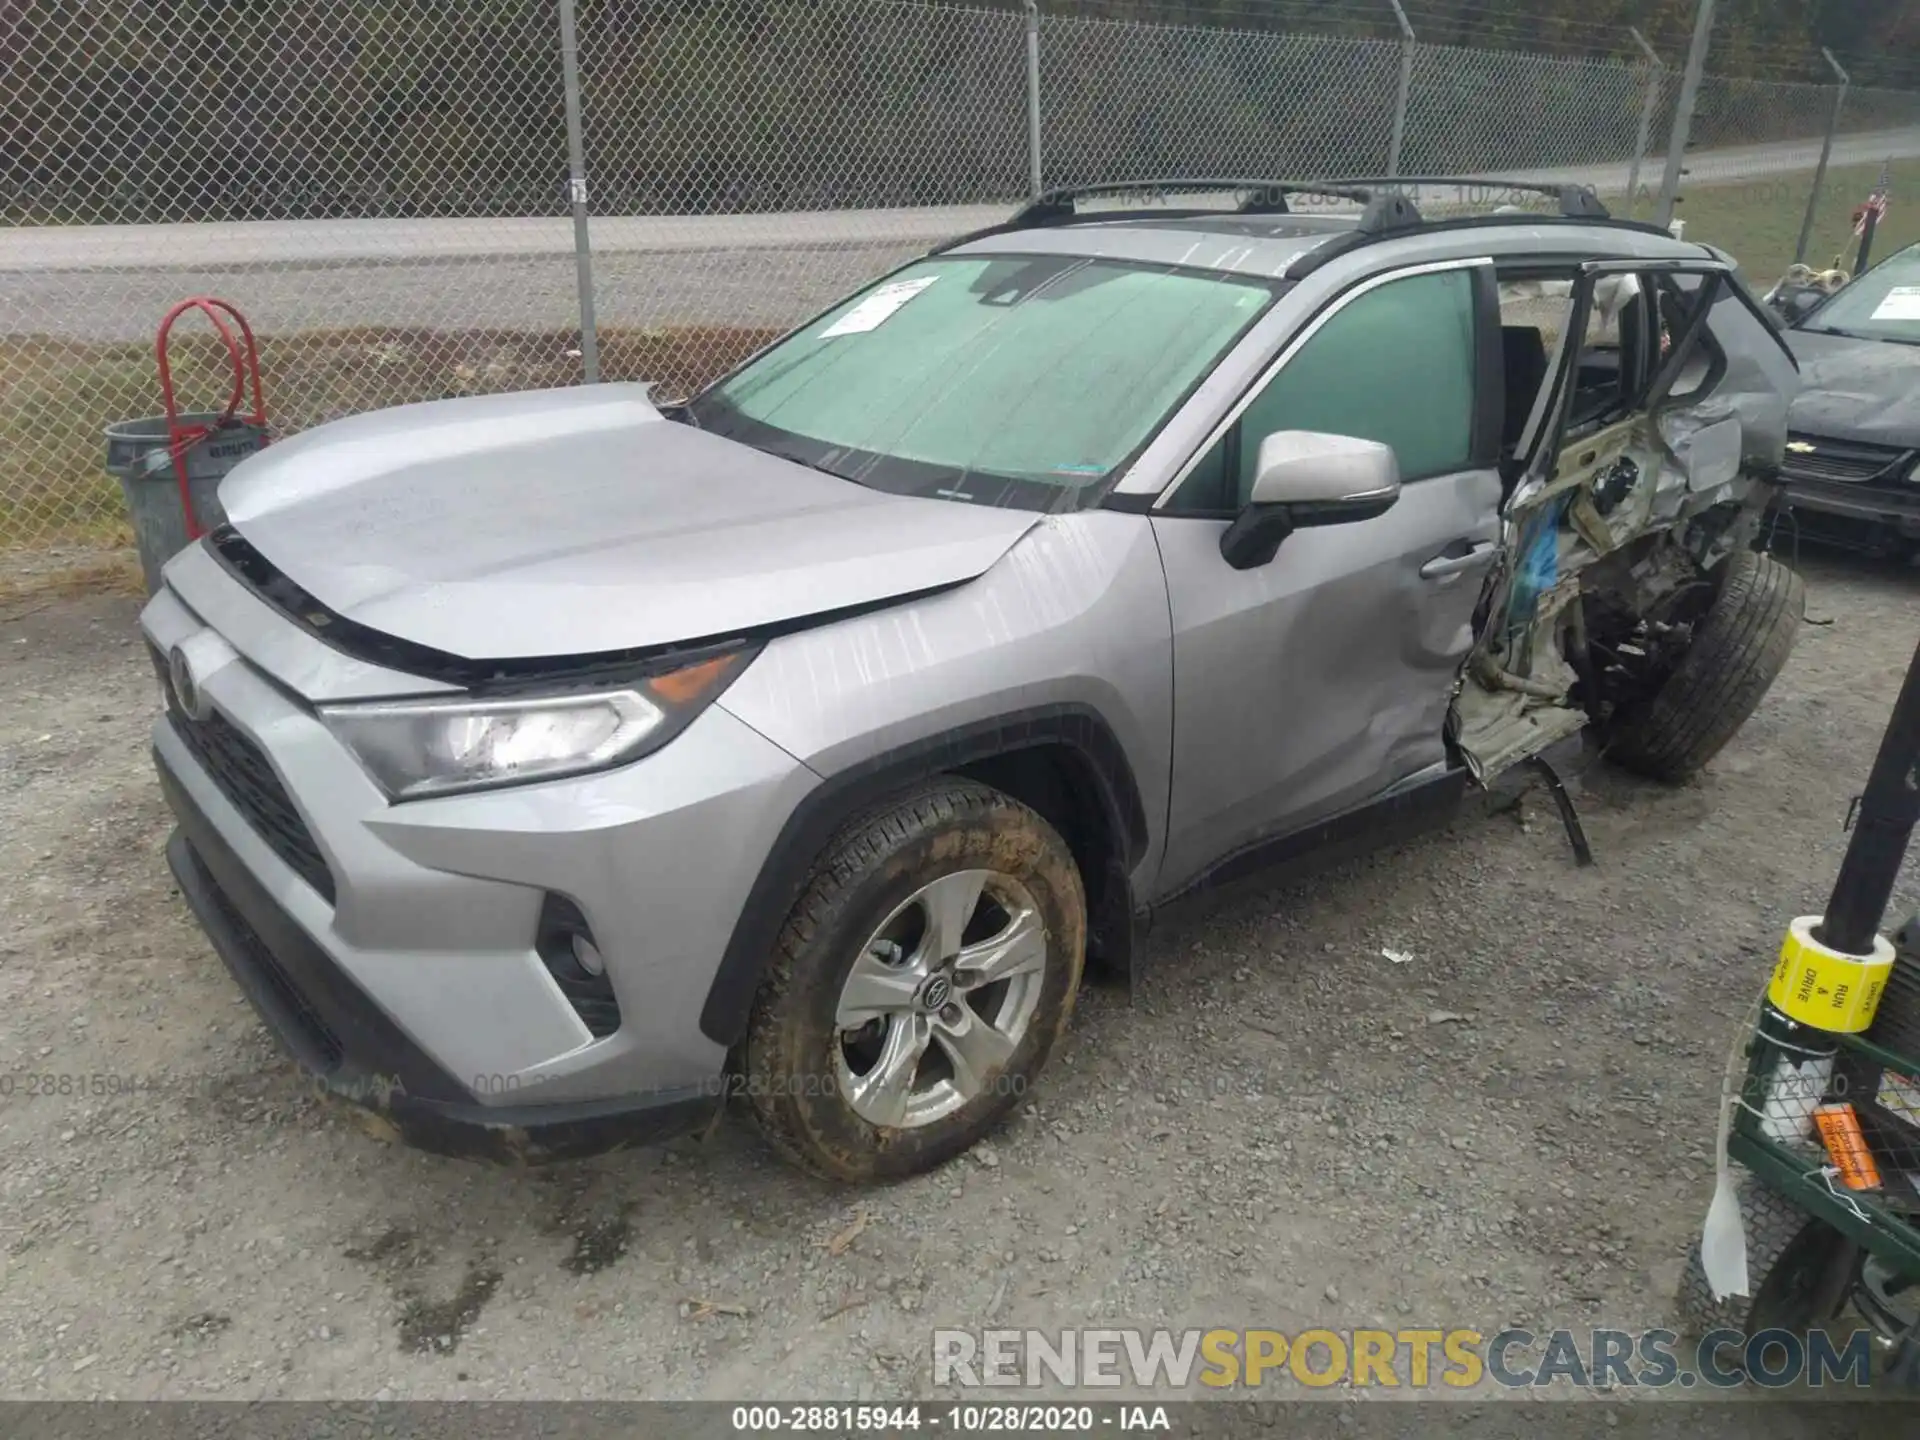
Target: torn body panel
1611	546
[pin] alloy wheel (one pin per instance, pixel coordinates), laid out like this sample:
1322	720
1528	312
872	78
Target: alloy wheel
939	998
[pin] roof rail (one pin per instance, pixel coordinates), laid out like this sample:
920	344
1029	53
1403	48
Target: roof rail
1259	197
1577	202
1385	206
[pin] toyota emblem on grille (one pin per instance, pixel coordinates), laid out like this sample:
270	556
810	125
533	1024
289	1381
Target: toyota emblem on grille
186	690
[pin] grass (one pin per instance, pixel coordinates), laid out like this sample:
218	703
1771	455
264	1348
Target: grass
1758	221
70	573
57	395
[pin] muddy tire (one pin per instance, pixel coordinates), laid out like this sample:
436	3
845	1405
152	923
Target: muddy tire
918	986
1739	648
1789	1255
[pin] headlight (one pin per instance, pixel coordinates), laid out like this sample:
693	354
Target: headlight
416	748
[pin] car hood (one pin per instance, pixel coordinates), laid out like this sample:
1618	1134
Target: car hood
1864	390
581	521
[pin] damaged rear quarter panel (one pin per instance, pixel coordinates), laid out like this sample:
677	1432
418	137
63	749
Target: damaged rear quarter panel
1714	442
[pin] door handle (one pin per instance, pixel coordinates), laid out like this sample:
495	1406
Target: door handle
1443	564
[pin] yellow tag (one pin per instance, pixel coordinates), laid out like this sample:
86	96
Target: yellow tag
1823	988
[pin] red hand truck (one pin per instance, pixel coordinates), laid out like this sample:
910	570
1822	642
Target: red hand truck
244	356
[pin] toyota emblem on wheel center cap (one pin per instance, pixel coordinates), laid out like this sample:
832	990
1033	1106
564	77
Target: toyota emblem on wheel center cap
186	690
935	993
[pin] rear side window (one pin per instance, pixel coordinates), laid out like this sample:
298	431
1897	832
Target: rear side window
1395	364
1679	297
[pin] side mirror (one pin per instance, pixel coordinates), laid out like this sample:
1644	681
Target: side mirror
1303	479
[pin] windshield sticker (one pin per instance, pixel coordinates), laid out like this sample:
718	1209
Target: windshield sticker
874	311
1902	302
1079	469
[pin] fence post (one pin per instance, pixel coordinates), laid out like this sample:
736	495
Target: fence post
577	190
1400	99
1826	154
1033	98
1656	82
1683	113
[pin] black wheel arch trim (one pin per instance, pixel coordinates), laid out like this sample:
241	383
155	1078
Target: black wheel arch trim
840	796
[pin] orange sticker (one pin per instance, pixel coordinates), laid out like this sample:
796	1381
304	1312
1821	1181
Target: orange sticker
1847	1146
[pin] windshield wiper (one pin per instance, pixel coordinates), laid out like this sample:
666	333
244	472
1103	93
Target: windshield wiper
783	454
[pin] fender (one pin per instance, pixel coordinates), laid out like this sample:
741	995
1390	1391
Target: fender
829	805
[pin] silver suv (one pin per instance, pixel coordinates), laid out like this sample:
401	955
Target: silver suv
551	767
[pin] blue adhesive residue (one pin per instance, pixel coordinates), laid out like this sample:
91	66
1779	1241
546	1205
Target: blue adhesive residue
1538	567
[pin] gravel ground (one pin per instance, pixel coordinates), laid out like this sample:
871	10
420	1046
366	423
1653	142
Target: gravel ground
1281	1128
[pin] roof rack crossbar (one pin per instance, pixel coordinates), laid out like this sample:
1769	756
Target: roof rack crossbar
1385	205
1262	197
1577	202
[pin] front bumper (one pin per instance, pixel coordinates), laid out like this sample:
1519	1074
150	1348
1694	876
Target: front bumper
1852	494
394	949
357	1054
1894	506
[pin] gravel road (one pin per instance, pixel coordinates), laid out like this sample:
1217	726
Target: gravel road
1283	1127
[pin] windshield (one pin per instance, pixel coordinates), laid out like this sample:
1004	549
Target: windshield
1883	304
1010	380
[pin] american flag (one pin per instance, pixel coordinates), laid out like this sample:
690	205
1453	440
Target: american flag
1876	205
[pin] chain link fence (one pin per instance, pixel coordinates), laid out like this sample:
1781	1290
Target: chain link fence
1121	101
1474	111
742	177
385	186
365	181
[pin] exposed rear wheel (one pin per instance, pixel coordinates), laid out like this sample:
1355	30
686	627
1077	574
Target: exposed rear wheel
1737	648
919	985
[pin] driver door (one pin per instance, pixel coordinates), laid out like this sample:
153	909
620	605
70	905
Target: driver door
1320	681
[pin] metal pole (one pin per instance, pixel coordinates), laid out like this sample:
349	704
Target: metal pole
577	189
1826	154
1889	808
1401	99
1033	98
1683	113
1656	82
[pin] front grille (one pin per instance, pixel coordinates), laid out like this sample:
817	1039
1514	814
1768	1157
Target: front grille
1837	460
315	1035
246	778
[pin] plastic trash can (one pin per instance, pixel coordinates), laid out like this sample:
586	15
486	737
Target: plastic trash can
137	457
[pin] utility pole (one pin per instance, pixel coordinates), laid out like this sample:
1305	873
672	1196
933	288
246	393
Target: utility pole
1656	81
1403	95
1683	112
577	193
1033	99
1826	154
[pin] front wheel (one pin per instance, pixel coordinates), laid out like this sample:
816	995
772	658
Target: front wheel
919	985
